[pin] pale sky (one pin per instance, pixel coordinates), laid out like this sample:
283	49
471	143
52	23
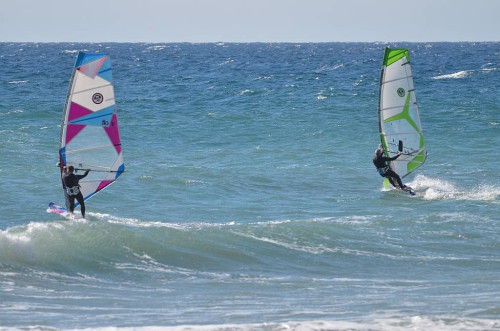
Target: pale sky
249	20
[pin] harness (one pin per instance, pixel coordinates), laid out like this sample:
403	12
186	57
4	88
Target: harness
382	171
72	191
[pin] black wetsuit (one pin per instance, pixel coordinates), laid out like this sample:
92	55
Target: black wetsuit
380	163
71	181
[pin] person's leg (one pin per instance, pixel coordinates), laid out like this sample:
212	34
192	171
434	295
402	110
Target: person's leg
400	182
71	203
391	173
79	198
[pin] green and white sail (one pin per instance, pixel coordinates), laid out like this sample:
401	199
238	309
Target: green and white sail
398	114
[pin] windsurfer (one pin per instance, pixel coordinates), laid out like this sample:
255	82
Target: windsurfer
380	162
73	188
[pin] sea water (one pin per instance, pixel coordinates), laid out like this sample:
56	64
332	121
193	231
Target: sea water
250	201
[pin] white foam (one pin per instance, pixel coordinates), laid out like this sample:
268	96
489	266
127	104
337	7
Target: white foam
17	82
24	234
16	111
246	92
445	323
456	75
133	222
463	73
156	47
437	189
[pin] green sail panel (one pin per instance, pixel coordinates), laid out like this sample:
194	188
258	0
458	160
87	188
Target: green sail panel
398	113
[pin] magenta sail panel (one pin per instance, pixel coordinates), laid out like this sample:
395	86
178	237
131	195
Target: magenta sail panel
113	133
76	111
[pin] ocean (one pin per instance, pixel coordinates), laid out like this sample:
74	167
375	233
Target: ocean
250	201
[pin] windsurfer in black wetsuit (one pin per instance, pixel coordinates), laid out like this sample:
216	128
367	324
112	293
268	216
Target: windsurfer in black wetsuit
380	162
73	189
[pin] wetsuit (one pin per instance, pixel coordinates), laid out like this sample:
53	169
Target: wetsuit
384	170
73	191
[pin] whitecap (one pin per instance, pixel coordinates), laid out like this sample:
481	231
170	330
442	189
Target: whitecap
12	112
226	62
437	189
383	321
246	92
156	47
456	75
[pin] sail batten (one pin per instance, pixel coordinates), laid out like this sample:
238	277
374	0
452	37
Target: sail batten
394	80
398	113
90	137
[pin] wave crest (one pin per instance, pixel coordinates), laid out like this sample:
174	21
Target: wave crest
437	189
456	75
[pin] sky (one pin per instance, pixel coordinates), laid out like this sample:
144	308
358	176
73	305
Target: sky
249	20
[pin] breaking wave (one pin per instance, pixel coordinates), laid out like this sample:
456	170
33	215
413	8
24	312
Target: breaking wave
463	74
444	323
437	189
456	75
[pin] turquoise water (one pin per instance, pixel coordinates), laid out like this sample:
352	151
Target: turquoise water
250	200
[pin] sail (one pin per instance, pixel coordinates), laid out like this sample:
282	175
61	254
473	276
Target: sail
90	137
398	114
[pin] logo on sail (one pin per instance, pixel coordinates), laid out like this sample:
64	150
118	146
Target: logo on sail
401	92
97	98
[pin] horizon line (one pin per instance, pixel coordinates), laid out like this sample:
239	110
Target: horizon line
249	42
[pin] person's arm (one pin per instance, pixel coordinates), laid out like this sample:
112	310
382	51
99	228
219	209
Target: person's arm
393	158
84	175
